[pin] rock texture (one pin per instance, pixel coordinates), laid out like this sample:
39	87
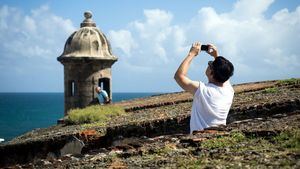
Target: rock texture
154	134
72	147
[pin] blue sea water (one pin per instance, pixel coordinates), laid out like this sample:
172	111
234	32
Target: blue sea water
22	112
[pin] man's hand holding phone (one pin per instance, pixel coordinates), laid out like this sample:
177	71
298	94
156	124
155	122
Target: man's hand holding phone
212	50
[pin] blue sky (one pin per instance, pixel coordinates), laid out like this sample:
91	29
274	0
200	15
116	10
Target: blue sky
151	38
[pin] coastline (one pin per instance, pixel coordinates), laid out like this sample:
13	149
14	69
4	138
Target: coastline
23	112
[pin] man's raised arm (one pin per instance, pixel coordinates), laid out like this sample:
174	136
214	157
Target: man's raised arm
181	74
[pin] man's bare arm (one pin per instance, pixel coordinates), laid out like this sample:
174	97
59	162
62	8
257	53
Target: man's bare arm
181	73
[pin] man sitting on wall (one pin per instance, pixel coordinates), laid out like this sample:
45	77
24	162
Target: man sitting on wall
212	101
102	96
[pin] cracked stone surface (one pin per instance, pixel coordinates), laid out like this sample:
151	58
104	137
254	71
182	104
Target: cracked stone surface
263	131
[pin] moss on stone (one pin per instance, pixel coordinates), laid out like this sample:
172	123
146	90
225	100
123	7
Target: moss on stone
223	141
94	114
247	151
289	139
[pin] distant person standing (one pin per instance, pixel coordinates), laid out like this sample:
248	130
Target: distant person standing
211	101
102	96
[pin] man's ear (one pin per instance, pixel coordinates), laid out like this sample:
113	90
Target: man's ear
211	74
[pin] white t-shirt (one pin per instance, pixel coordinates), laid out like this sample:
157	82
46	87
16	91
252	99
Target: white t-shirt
211	105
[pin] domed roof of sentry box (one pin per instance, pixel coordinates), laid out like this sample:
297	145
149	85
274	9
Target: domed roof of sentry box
87	42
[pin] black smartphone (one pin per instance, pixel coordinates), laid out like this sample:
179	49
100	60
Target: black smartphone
204	47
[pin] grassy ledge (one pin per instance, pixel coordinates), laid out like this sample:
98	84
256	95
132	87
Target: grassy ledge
94	114
289	81
271	90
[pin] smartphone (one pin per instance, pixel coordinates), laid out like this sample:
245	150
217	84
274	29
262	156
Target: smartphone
204	47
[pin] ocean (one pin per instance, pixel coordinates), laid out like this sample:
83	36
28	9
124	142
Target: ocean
23	112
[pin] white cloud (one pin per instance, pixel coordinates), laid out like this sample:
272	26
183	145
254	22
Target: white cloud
123	39
248	38
151	48
156	25
150	41
30	44
29	24
260	47
250	9
41	34
283	61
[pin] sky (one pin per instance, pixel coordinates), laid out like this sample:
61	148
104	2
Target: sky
150	38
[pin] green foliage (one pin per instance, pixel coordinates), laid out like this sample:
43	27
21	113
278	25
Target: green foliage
94	114
225	141
271	90
94	124
237	136
289	139
289	81
190	163
165	150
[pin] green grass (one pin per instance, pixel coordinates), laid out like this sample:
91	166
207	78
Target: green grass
226	141
190	162
271	90
94	114
276	149
289	139
289	81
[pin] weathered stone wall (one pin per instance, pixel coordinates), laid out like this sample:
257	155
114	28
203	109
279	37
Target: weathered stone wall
25	152
85	76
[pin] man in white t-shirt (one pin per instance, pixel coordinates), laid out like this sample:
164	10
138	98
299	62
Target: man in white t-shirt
212	101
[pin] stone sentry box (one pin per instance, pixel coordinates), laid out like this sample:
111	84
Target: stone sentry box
87	60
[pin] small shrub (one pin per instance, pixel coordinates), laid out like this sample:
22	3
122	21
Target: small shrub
237	136
92	114
271	90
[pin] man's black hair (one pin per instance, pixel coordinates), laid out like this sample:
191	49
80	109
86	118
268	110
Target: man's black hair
222	69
